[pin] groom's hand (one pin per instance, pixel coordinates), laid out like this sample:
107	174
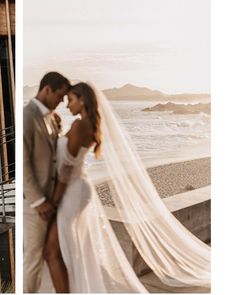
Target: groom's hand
45	210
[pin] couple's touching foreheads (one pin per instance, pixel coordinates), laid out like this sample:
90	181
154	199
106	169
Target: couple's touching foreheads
65	224
44	184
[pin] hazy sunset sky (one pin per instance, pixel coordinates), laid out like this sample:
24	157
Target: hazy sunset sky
160	44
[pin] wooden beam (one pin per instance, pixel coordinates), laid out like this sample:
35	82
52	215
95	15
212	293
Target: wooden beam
3	23
12	257
3	126
10	56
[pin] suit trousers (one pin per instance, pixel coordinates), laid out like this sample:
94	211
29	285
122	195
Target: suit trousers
35	230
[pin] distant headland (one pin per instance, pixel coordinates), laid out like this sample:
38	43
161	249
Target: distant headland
132	92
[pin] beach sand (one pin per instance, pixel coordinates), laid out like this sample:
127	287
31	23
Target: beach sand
170	179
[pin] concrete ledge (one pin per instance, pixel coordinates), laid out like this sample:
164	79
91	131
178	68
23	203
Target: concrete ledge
187	199
191	208
154	285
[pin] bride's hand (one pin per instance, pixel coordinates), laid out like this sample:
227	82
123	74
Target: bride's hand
46	210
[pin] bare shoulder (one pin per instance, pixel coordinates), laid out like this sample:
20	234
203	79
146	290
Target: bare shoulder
83	126
74	129
79	135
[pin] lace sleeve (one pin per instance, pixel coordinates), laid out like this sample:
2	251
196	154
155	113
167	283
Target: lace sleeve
65	166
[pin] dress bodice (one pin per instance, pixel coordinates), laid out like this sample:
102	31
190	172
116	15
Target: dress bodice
63	157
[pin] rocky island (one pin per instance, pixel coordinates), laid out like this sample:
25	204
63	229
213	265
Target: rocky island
181	108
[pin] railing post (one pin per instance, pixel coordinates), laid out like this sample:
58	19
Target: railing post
10	54
1	170
3	132
2	192
12	257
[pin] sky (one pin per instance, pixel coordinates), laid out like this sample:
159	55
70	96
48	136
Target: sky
159	44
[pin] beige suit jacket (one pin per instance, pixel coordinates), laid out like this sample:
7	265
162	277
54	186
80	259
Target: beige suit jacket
39	155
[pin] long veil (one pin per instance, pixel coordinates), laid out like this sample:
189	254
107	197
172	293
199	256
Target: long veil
174	254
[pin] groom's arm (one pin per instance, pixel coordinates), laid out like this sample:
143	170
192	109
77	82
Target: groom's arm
32	190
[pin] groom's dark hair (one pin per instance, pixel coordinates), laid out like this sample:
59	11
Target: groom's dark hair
55	81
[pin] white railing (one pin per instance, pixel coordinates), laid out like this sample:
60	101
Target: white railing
7	182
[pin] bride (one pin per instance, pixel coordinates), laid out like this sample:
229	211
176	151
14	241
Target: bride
82	251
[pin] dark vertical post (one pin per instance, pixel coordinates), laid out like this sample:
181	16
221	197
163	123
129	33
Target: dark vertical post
10	53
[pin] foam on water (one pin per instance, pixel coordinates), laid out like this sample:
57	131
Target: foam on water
154	132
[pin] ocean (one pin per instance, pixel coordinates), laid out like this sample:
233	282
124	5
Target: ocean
155	134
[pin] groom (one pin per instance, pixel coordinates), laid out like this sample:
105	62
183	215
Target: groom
40	136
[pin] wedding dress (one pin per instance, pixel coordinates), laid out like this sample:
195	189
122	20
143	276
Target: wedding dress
92	254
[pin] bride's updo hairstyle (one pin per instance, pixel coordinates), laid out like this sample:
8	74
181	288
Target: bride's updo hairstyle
91	107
